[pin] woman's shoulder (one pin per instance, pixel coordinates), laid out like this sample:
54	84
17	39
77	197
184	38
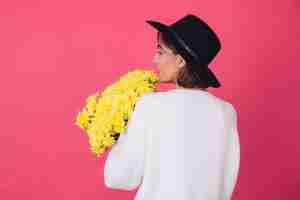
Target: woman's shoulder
152	99
146	99
150	96
230	110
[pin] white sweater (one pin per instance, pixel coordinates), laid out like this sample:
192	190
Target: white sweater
181	144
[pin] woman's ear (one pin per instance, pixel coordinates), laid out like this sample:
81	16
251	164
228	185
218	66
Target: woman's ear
180	60
182	63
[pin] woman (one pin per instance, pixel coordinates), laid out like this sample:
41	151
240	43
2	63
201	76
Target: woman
181	144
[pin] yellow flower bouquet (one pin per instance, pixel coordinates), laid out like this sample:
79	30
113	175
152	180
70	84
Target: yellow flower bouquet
107	112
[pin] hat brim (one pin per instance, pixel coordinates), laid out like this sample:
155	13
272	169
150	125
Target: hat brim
159	26
174	39
165	28
214	82
168	31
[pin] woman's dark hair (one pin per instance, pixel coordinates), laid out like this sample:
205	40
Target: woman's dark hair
186	76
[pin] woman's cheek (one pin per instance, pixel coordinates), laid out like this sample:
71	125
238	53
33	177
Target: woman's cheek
155	59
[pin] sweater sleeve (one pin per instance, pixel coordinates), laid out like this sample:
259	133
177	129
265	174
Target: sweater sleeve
124	166
233	153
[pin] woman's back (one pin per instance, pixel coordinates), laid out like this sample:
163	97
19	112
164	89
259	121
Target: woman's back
192	147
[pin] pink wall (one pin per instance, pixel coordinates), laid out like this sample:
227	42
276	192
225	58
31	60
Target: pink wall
55	53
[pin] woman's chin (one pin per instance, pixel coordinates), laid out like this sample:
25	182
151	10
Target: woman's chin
164	80
161	78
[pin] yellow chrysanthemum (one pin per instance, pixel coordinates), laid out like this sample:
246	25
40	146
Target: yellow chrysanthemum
106	113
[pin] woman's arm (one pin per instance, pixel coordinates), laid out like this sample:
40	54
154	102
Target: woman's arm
232	163
124	166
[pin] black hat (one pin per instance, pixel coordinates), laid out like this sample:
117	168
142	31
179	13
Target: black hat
195	41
